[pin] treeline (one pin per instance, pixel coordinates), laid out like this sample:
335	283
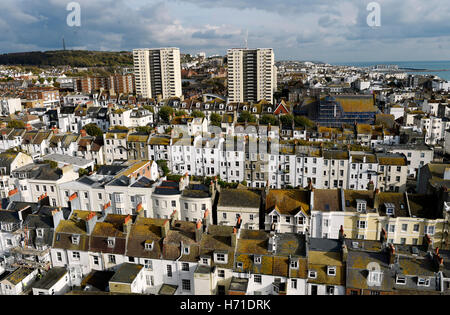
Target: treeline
73	58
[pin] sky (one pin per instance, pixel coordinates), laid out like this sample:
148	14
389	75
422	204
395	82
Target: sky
317	30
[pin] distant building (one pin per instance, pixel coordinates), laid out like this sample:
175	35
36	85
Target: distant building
252	75
157	72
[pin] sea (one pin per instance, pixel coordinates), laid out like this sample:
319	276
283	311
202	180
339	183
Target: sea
425	65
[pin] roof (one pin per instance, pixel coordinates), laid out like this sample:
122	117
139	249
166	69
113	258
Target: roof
18	275
288	202
126	273
239	198
51	278
356	103
327	200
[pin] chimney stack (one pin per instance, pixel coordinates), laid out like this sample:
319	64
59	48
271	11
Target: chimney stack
74	202
172	218
344	253
391	254
428	243
234	237
239	222
206	221
57	216
107	209
91	220
127	224
198	231
383	236
165	228
341	234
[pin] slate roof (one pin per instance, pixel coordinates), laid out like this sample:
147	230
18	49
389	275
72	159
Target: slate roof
239	198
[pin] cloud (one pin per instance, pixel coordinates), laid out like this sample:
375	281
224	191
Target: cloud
303	29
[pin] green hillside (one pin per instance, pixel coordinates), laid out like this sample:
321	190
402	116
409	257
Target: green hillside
74	58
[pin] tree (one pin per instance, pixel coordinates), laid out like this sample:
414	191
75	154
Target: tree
163	165
149	108
180	113
268	119
144	129
93	130
17	124
246	116
215	119
165	112
82	172
198	114
286	119
302	121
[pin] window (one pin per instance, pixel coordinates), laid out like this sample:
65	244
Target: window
112	259
186	250
75	239
294	264
111	241
422	282
220	257
148	264
416	228
174	203
362	224
325	223
95	260
331	271
224	215
392	228
294	284
312	274
288	219
257	259
404	227
257	278
330	290
169	271
429	230
375	277
58	256
185	267
76	255
99	196
239	265
186	285
221	273
40	232
403	241
400	280
148	245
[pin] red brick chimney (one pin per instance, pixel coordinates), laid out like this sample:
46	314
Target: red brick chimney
83	133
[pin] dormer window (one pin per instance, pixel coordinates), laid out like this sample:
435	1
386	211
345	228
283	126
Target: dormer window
204	261
111	241
220	258
312	274
390	208
40	232
148	245
331	271
254	109
400	280
269	110
257	260
375	277
422	282
244	108
294	264
239	265
75	239
361	205
186	250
